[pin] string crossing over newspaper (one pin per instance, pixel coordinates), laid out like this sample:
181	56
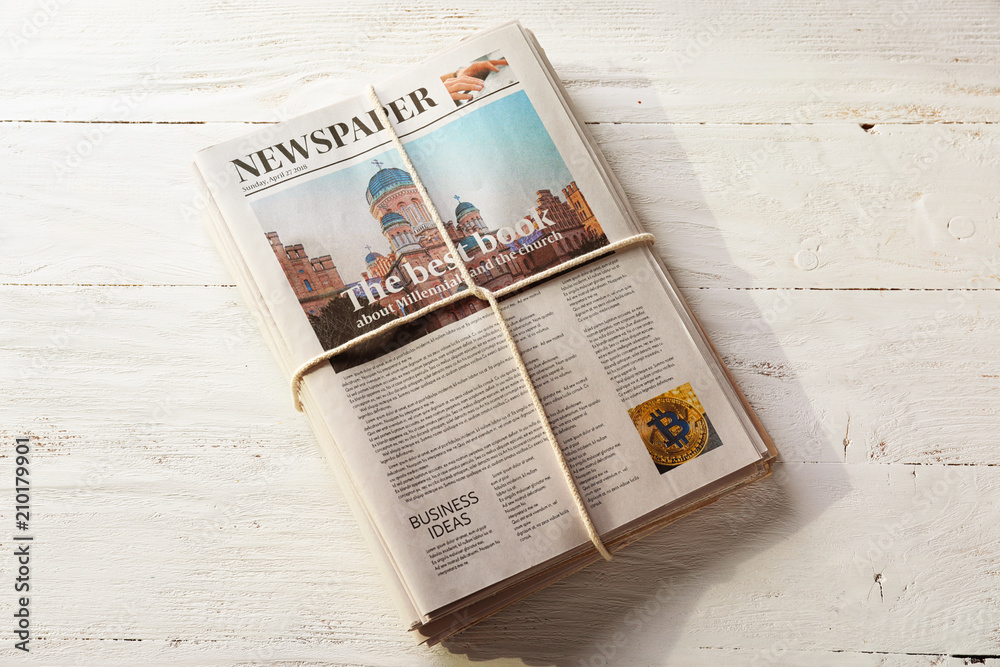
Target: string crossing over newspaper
491	297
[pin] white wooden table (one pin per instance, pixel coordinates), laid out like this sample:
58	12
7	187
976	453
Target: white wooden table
823	178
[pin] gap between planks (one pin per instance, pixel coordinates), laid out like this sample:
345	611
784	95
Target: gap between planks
865	126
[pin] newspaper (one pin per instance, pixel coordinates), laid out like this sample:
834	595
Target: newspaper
429	424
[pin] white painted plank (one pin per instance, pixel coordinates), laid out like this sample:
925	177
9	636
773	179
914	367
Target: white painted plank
166	553
187	503
733	206
105	204
631	60
892	376
817	206
317	652
314	652
791	565
865	376
184	513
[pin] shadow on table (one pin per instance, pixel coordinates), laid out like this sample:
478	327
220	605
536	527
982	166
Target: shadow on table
653	586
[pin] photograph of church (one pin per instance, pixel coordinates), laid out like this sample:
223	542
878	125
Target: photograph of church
360	244
413	239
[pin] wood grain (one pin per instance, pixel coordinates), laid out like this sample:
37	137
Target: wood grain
734	206
627	61
822	179
253	542
919	389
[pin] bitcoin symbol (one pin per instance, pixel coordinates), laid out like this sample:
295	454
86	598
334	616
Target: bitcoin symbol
673	430
677	440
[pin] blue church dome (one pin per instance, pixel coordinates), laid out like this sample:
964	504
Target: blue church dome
386	180
372	257
463	208
393	219
469	244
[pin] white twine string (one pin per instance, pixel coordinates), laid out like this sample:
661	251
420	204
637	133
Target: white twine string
485	295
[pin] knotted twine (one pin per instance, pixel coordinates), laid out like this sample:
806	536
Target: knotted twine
491	297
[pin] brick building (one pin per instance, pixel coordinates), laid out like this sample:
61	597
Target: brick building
315	280
414	243
576	199
575	235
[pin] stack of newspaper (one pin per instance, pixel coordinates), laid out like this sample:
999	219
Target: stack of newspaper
430	426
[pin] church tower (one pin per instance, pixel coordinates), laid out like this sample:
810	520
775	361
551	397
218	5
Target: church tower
467	217
392	190
398	231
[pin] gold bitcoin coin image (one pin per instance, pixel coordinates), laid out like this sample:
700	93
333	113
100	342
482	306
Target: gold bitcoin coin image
674	431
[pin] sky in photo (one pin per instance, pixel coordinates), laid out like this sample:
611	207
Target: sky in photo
495	154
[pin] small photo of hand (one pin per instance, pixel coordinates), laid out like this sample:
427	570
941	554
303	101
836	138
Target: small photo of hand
465	82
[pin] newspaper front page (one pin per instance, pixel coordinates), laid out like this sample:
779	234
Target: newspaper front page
431	420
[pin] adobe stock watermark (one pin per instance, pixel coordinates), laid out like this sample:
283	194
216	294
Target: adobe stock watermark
22	543
121	112
43	360
33	23
926	509
695	47
902	17
215	183
779	306
907	175
643	615
926	330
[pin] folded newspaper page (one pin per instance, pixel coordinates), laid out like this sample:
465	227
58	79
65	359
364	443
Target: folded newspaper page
428	425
